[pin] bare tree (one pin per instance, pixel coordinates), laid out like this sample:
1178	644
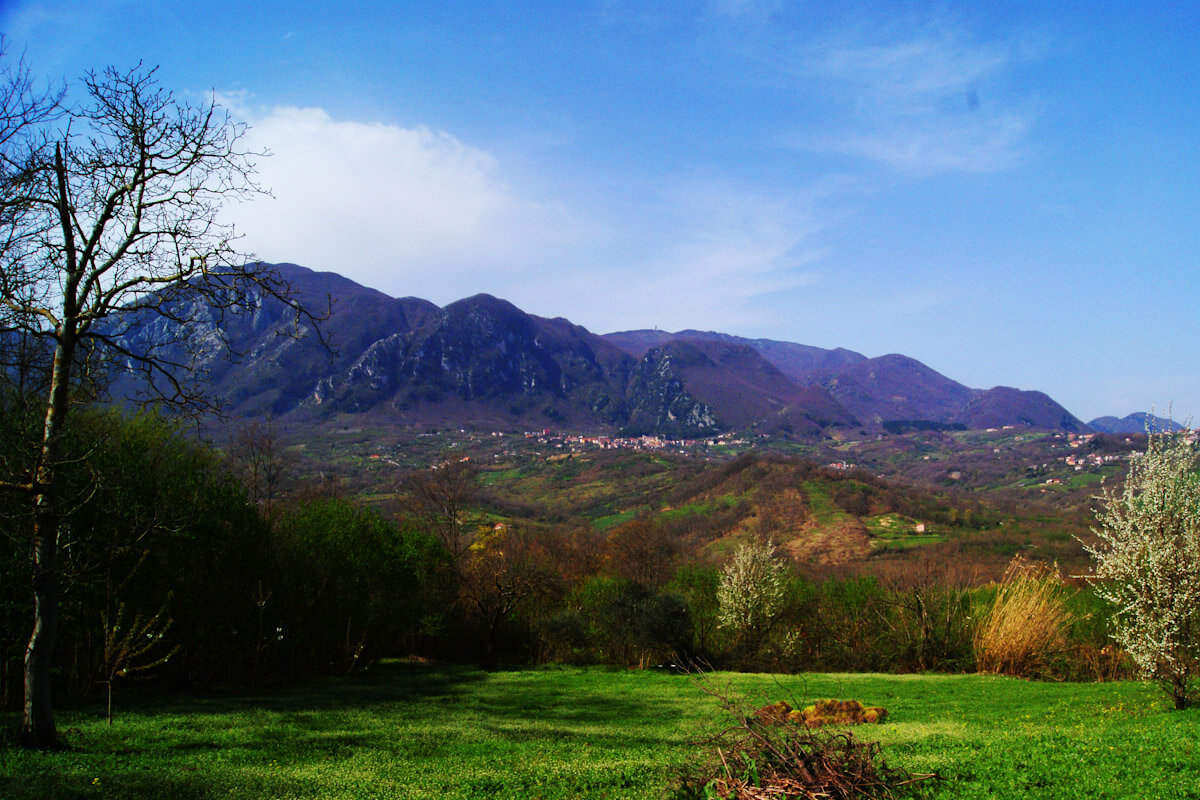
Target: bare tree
504	569
109	218
643	552
258	462
439	498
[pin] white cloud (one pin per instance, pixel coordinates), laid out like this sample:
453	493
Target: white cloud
711	256
405	210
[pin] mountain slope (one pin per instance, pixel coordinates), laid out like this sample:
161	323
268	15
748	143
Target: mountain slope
896	387
729	385
847	388
803	364
483	351
1003	405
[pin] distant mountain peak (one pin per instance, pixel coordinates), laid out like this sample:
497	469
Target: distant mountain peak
1138	422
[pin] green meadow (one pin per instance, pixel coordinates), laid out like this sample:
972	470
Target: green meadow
413	731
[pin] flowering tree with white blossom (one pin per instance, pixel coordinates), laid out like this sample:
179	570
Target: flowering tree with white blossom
1147	554
751	592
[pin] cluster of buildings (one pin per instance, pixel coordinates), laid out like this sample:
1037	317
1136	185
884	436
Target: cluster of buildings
579	442
1093	460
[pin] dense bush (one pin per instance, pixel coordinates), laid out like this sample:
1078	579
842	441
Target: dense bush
155	526
346	586
697	585
614	620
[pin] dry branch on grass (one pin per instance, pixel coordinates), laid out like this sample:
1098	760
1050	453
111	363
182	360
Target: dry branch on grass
791	761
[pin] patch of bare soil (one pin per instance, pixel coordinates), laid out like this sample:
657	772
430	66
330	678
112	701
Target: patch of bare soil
842	542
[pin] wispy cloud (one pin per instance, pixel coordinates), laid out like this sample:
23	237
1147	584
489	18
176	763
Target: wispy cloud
59	29
926	102
931	146
718	256
656	15
757	10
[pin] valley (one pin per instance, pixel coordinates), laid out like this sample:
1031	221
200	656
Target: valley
860	503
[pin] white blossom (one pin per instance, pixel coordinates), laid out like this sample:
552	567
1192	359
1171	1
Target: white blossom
1148	561
751	592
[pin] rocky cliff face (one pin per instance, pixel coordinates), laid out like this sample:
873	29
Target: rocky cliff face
486	350
659	402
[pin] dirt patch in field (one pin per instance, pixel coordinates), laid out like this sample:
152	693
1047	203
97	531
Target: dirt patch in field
842	542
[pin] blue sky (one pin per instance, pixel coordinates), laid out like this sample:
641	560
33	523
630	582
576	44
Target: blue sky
1007	192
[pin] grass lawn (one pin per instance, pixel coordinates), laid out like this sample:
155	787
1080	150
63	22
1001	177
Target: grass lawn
406	731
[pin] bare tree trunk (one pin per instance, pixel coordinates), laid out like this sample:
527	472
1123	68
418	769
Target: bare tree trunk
37	725
109	211
1179	691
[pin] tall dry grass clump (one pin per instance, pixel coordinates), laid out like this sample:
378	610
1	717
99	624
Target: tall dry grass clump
1026	623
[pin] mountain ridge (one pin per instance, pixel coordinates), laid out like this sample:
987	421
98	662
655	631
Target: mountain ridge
482	360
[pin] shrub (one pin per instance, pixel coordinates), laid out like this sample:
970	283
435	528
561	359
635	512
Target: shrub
697	585
349	586
751	594
927	610
1148	562
618	621
1091	654
1026	623
852	630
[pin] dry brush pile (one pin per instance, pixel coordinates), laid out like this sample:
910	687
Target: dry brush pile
776	753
